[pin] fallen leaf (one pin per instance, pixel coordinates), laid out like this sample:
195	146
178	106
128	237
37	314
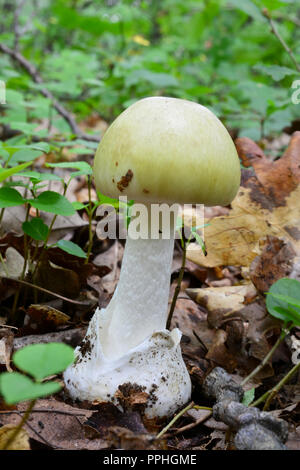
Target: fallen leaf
48	318
267	204
275	261
56	424
21	441
222	302
13	263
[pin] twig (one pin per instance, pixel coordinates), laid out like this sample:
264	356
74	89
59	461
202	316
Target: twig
178	285
266	358
276	33
33	72
43	410
269	395
190	426
165	429
42	289
181	413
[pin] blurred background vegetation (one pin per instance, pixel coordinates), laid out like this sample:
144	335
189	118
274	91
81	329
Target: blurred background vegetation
98	57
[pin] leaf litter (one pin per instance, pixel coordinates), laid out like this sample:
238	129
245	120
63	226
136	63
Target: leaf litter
220	310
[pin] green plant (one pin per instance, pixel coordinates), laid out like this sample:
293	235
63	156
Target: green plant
282	302
39	361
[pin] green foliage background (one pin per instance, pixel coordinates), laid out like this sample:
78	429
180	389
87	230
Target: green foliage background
102	55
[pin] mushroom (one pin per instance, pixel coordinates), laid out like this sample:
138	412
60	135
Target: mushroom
159	150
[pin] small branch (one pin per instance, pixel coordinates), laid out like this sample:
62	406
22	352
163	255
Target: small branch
181	413
276	33
177	289
44	410
33	72
266	359
42	289
269	395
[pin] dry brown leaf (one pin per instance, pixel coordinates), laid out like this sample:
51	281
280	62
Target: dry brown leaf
266	204
57	425
21	442
276	261
48	317
222	302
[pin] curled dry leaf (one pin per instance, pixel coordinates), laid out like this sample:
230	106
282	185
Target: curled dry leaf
222	302
237	327
276	261
48	317
266	204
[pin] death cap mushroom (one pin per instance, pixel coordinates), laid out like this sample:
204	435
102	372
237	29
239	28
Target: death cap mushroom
168	150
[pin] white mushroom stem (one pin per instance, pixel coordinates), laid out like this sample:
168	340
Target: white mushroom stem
139	306
127	344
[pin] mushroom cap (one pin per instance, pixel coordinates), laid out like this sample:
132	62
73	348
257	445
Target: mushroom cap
168	150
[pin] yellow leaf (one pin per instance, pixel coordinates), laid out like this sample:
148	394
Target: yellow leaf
21	442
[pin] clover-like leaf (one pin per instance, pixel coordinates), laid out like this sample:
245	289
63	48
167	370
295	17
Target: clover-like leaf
16	387
43	360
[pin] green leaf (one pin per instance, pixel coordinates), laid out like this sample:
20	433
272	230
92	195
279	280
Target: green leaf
50	201
248	397
282	295
24	155
78	205
16	387
71	248
10	197
159	80
7	172
42	360
36	176
248	7
83	167
36	229
200	242
275	71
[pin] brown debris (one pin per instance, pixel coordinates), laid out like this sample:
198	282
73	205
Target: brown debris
275	179
275	262
132	396
125	180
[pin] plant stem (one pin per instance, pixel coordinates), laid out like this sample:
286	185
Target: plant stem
269	395
42	289
1	215
177	289
90	214
276	33
26	252
266	358
178	415
20	425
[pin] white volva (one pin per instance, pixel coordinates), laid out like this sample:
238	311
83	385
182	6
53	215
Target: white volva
158	150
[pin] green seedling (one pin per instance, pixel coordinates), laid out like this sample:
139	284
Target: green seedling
37	361
282	302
